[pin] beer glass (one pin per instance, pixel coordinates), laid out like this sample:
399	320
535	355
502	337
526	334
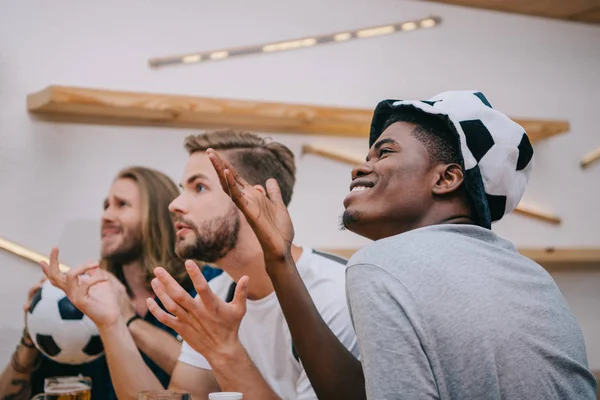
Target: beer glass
163	395
66	388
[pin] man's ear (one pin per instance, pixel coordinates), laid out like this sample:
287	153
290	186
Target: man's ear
448	178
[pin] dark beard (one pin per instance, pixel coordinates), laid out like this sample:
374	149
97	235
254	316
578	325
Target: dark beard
216	238
131	250
348	218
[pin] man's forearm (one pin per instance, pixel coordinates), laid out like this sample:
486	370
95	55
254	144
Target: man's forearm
235	372
129	373
332	369
160	346
15	381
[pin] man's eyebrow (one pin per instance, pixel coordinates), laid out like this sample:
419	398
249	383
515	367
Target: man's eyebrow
192	178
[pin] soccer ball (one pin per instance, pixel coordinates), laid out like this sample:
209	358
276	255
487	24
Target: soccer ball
59	330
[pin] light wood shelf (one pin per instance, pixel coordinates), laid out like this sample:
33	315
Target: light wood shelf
97	106
590	158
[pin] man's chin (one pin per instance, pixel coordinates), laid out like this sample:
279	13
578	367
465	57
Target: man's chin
109	251
184	251
350	220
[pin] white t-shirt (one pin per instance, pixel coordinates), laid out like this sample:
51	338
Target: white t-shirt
264	332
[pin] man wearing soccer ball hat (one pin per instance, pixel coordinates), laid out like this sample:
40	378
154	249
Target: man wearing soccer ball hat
443	307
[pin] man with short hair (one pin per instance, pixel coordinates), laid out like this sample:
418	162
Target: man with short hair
236	337
442	306
137	235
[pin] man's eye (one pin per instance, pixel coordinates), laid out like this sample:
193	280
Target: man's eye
383	152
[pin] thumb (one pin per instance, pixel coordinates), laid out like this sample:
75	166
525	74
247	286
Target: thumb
241	293
274	192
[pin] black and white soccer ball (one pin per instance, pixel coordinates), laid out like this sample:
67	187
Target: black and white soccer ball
59	330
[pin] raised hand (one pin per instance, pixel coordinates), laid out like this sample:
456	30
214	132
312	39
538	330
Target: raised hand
268	216
88	288
207	323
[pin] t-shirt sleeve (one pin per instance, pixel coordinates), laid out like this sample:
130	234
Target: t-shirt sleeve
386	322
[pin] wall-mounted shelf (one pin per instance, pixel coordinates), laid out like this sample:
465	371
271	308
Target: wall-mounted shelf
73	104
552	259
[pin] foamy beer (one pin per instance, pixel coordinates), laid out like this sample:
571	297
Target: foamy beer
66	388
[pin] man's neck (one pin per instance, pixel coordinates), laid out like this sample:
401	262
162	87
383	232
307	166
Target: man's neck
247	259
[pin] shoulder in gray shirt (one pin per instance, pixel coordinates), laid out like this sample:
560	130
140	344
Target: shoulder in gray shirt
455	312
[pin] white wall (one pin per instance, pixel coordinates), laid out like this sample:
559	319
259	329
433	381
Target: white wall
54	176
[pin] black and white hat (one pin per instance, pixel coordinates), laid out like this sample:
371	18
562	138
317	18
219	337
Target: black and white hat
496	154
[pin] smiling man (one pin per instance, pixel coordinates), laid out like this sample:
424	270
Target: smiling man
442	306
235	335
137	235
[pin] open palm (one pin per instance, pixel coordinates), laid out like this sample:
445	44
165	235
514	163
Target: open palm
268	216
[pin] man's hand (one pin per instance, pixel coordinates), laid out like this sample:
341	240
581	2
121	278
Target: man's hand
88	288
125	304
207	323
34	289
268	216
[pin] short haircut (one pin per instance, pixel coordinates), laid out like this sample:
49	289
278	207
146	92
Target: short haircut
255	158
433	131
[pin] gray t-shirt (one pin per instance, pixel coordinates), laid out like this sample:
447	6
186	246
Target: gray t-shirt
455	312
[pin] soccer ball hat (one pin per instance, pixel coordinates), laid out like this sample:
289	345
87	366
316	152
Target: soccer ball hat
497	157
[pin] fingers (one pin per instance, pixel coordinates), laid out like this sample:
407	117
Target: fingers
174	289
115	282
234	190
87	283
165	318
241	294
274	192
35	288
221	162
32	292
206	295
52	270
167	301
73	276
217	162
222	165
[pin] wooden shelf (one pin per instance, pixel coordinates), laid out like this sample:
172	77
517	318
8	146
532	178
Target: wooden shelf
580	11
552	259
590	158
83	105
